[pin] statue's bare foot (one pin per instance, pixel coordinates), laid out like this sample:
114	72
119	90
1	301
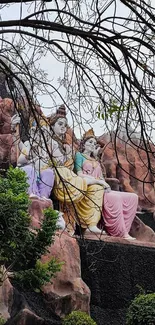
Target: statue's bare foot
45	199
96	230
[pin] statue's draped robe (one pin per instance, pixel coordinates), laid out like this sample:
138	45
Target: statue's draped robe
72	189
119	208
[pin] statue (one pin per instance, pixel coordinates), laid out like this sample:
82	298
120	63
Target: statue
34	160
119	208
71	189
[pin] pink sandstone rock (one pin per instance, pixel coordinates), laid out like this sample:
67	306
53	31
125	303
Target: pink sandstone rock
7	156
6	111
71	139
6	298
26	317
36	211
5	149
142	232
67	292
10	304
131	168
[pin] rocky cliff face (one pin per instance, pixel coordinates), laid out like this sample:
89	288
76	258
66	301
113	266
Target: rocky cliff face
130	165
65	293
7	152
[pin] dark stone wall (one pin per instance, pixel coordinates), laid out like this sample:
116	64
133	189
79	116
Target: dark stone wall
148	219
114	273
34	302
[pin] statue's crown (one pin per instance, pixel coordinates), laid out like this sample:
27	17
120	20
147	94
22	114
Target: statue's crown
89	134
61	110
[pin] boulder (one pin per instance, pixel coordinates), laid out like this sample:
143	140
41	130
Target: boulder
26	317
11	301
6	111
142	232
67	292
36	211
7	154
5	150
6	298
23	308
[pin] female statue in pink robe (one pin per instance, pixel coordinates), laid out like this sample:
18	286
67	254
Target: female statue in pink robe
119	208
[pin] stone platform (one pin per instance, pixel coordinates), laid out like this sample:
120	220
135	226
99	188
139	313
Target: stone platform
116	240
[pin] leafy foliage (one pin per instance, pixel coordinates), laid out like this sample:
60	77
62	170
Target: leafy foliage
15	220
2	320
78	318
142	310
20	247
113	111
35	278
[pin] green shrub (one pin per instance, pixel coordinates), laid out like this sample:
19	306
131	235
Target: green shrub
2	320
34	279
78	318
142	310
20	248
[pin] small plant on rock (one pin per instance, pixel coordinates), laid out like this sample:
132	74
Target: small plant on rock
78	318
2	320
142	310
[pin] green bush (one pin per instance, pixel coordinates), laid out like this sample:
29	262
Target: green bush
41	274
20	248
142	310
2	320
78	318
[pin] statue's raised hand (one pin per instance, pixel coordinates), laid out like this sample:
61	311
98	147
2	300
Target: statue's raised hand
14	121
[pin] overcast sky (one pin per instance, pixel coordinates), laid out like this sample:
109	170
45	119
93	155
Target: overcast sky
54	69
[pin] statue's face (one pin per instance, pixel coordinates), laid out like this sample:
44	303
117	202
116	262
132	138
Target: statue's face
60	126
90	145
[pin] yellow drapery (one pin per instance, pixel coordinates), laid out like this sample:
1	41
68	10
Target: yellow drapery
86	200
